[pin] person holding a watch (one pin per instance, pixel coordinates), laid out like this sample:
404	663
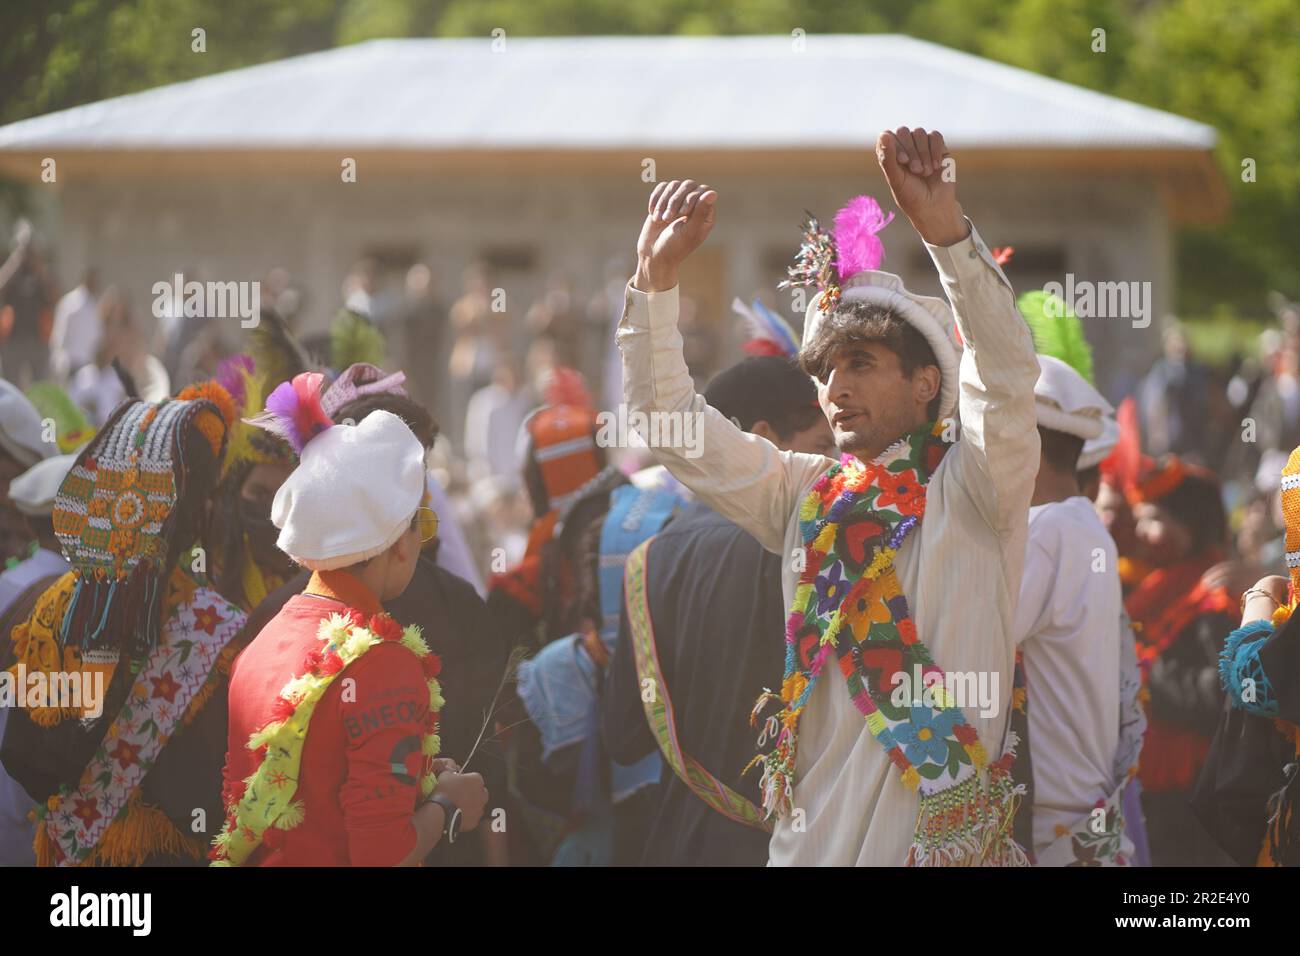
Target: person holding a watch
460	797
1248	792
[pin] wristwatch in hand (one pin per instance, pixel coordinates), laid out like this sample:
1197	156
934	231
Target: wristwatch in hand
450	816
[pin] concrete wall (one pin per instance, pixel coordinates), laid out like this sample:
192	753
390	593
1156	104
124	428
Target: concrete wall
236	220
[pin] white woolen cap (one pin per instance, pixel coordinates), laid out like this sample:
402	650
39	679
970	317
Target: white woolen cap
1096	450
20	427
930	316
33	491
352	495
1065	402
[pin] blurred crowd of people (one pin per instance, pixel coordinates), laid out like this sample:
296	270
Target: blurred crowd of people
510	579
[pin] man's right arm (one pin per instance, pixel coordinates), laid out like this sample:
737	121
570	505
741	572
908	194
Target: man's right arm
743	477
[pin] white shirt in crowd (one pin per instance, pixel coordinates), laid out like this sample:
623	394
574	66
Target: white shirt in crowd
1068	625
453	551
97	391
492	422
960	571
76	332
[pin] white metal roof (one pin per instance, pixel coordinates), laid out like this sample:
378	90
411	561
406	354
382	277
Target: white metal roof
610	93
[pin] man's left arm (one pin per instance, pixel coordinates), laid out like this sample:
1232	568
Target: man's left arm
999	427
998	366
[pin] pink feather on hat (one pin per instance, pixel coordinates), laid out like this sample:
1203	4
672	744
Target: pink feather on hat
293	411
857	246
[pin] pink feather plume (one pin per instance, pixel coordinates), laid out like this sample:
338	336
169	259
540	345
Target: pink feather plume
230	376
857	246
294	412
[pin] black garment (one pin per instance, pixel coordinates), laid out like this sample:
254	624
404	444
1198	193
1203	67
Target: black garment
1184	691
714	596
1184	680
1241	772
456	627
1246	764
185	778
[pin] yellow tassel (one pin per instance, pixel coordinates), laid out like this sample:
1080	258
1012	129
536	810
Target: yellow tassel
43	846
130	840
413	642
911	779
292	815
200	699
263	736
144	832
357	643
333	629
252	582
1281	615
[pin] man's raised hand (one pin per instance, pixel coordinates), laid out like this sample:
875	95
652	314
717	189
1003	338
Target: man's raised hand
678	219
923	185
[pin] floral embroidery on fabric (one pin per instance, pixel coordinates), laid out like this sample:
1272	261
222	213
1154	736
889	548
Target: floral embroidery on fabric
174	674
849	603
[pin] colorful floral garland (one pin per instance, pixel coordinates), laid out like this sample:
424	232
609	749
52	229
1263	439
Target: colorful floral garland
848	601
265	798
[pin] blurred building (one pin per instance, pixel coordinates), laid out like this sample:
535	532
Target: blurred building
535	155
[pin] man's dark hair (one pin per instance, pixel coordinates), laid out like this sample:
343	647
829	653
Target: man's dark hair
417	418
1197	504
1061	450
1088	477
801	419
767	388
855	322
191	523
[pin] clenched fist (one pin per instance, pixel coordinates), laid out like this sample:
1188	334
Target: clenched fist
679	218
924	186
466	790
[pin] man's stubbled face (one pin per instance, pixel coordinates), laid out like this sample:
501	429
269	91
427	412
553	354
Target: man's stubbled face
867	399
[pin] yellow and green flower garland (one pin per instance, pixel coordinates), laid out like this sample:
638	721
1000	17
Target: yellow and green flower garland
257	804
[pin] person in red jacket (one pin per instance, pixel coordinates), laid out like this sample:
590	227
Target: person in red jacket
333	743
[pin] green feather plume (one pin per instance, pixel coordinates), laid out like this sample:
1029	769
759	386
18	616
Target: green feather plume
71	429
1057	331
277	356
354	339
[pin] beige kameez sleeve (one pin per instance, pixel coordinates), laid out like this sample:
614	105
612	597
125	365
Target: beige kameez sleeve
743	477
999	443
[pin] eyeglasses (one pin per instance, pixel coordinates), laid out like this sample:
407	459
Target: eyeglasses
426	520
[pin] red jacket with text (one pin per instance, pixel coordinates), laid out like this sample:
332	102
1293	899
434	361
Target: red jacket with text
361	759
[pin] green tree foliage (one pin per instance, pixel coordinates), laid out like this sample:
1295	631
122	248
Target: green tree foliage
1234	66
